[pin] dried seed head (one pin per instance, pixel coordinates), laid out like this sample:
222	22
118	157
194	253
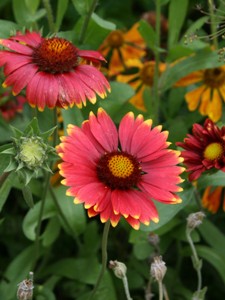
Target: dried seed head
158	268
195	219
25	289
153	239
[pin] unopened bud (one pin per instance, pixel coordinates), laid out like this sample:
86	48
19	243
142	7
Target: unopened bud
158	268
118	268
25	289
195	219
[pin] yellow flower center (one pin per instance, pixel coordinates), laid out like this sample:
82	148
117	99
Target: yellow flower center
115	39
55	55
214	78
213	151
147	73
120	166
119	170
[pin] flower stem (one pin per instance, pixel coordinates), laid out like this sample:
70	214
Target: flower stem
196	261
50	18
160	289
213	23
155	90
126	288
104	258
86	21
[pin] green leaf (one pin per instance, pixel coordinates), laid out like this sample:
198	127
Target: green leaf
16	272
214	258
5	188
177	14
61	10
120	93
72	116
168	211
204	59
216	179
27	194
32	5
103	23
213	236
147	33
74	213
51	232
31	219
84	270
23	15
200	295
83	6
7	28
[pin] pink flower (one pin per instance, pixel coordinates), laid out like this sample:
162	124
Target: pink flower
117	173
53	71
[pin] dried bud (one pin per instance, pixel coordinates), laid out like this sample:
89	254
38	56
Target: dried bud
195	219
158	268
118	268
25	289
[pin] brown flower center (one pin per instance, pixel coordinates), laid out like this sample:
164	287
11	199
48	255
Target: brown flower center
214	78
55	55
119	170
147	73
213	151
115	39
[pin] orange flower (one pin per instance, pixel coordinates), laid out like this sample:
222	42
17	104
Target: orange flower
140	80
122	46
212	198
207	97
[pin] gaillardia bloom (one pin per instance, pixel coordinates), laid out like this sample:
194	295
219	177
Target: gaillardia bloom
213	197
120	46
204	149
52	70
140	80
117	173
209	96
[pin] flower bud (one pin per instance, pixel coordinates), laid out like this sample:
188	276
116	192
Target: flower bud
158	268
118	268
25	289
195	219
32	152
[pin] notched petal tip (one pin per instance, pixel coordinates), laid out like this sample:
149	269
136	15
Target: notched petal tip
77	201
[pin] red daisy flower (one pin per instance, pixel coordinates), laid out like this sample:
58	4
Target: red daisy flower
52	71
117	173
204	149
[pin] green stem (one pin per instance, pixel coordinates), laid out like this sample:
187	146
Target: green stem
38	230
104	258
213	23
196	260
126	288
86	21
160	289
61	214
155	90
48	7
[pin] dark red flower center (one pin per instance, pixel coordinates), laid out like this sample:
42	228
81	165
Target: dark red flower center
115	39
214	78
147	73
213	151
55	55
119	170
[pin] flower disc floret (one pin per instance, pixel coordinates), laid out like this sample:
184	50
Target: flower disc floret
55	55
118	172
